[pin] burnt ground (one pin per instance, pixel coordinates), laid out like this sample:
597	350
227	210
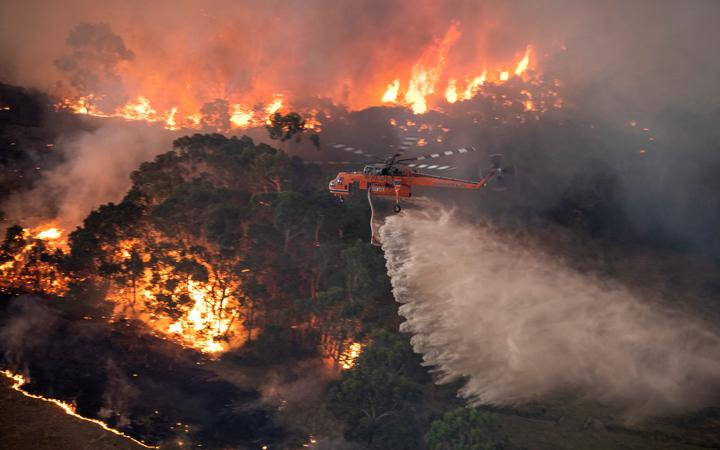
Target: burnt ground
27	423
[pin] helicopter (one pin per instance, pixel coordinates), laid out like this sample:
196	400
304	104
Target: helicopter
394	176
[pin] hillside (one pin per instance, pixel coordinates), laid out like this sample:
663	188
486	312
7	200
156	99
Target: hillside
31	423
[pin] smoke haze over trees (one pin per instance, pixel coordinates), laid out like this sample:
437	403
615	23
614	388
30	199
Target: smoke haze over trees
591	281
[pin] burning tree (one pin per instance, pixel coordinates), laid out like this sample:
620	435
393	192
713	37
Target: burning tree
221	239
30	261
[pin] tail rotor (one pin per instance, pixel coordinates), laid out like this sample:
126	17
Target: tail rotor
502	172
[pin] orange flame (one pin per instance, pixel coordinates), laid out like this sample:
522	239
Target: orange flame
451	94
42	275
426	72
474	85
19	381
523	64
206	315
350	355
49	234
391	93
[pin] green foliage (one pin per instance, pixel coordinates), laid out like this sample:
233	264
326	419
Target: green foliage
199	208
365	267
466	429
257	223
377	397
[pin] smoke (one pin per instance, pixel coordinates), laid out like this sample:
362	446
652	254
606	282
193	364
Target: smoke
92	64
646	53
613	60
520	325
96	170
27	325
119	395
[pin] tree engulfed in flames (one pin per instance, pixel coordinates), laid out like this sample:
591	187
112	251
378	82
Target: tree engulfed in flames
28	261
204	313
203	310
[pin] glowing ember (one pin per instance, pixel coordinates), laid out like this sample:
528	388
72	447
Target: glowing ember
19	381
528	103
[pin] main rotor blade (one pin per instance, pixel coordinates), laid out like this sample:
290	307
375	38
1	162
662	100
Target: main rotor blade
354	150
458	151
333	163
406	143
431	167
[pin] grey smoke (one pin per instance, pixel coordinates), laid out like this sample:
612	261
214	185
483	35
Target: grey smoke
26	327
520	325
96	170
616	60
639	55
119	395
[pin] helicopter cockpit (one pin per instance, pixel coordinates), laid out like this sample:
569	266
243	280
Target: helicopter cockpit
382	170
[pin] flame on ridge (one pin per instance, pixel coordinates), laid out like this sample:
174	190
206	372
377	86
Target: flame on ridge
428	71
182	102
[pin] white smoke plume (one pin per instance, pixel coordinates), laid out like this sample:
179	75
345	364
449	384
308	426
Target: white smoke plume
96	170
520	325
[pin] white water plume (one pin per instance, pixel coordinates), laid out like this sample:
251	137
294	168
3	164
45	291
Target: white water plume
520	325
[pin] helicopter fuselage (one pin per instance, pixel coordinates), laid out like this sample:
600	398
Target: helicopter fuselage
393	181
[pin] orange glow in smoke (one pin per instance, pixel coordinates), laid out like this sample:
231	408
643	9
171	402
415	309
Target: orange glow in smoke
421	83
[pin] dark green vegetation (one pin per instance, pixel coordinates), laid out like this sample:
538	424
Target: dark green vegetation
466	429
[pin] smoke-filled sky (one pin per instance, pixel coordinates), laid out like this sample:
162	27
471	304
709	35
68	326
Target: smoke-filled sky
622	52
614	59
516	324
